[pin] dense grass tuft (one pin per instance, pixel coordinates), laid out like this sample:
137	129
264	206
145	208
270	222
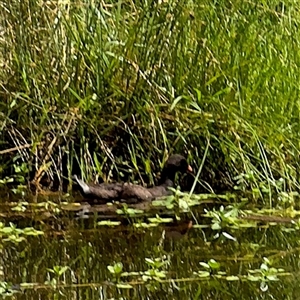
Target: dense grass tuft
111	88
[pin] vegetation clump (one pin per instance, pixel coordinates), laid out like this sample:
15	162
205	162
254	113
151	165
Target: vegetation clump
110	87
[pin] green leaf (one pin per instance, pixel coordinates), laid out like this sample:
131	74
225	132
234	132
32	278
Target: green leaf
203	274
149	261
118	267
232	278
145	225
124	286
253	278
204	265
160	220
228	236
109	223
264	267
175	102
216	226
214	264
272	278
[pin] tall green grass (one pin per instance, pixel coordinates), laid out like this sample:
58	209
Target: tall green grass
113	87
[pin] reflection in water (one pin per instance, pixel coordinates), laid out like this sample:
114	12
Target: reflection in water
76	241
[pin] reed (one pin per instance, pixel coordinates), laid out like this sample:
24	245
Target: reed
110	87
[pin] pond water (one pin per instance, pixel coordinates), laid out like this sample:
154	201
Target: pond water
51	251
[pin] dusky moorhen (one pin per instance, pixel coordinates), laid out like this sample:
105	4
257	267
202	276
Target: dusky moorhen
132	193
103	191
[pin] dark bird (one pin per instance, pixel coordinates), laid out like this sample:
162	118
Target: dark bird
132	193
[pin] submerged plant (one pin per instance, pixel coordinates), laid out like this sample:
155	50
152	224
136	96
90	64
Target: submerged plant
159	220
16	235
264	274
109	223
58	272
222	219
117	271
155	271
7	289
6	180
49	206
211	268
20	207
127	211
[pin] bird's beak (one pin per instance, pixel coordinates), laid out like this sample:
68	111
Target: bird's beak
190	169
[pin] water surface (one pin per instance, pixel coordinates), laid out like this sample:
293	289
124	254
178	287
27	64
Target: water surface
259	260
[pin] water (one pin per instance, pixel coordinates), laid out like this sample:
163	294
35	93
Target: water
164	261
